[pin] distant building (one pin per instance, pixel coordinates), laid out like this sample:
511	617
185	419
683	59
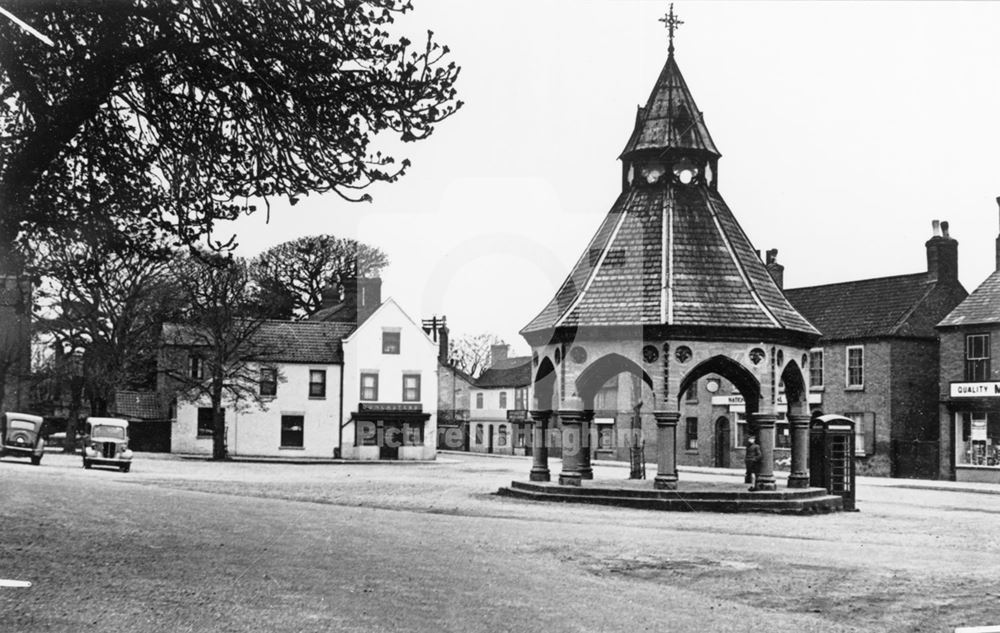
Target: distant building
357	380
498	417
969	386
877	359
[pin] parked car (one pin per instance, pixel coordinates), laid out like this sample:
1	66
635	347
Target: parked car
21	436
105	442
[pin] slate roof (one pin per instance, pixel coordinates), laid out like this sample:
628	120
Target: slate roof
670	254
981	307
868	308
510	372
670	118
280	341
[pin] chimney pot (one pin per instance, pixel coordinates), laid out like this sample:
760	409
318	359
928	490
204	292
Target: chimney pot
944	228
936	226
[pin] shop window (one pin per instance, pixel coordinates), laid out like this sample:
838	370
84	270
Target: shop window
479	434
369	386
980	444
292	431
206	426
411	387
855	367
691	434
520	436
502	436
503	399
413	435
268	381
816	368
977	357
390	342
605	437
479	400
317	383
740	440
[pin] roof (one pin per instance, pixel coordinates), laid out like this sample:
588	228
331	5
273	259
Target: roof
670	118
138	405
982	306
670	254
510	372
279	341
867	308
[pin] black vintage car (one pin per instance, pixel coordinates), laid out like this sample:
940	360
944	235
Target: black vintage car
21	436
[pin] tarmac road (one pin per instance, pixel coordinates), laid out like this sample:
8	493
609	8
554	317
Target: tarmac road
180	545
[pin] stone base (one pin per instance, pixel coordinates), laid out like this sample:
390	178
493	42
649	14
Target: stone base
665	482
569	479
689	499
587	473
540	475
798	481
766	485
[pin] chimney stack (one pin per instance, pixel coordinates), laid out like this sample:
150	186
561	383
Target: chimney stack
369	296
942	254
498	353
776	270
437	328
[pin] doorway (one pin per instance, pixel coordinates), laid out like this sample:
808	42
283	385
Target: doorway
723	440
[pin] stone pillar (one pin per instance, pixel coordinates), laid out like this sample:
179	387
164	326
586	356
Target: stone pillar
666	449
764	423
799	425
539	446
586	470
575	447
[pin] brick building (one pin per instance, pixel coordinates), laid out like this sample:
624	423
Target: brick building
969	386
877	359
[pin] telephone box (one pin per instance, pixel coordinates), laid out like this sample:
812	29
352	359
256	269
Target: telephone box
831	457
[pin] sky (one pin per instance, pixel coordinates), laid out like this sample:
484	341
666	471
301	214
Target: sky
845	129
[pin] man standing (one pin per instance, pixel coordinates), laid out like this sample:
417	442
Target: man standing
753	459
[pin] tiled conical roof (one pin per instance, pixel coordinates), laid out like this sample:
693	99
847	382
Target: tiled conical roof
670	118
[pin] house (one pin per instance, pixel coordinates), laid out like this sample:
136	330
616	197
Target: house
498	414
877	359
969	386
356	380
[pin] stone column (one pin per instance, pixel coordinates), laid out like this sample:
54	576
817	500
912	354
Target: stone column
764	423
586	470
539	446
575	451
799	425
666	449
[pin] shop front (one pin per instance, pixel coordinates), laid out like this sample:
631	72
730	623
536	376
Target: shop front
390	431
974	411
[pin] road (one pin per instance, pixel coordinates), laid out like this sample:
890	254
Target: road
180	545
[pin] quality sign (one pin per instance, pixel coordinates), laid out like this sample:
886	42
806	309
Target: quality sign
975	390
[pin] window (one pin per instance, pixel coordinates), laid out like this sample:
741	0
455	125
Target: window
855	367
292	431
977	357
369	386
980	438
479	400
479	434
196	368
317	383
816	368
692	391
411	387
206	426
502	436
390	342
413	434
521	398
268	381
691	434
503	399
782	434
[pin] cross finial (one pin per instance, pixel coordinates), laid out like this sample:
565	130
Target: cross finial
672	22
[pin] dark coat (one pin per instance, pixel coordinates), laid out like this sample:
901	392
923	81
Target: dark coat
753	456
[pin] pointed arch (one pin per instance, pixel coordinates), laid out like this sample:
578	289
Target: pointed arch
601	371
544	385
741	378
796	393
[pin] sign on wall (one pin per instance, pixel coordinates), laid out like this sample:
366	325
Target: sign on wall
975	390
386	407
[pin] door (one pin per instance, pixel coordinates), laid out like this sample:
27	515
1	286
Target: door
723	441
489	438
392	439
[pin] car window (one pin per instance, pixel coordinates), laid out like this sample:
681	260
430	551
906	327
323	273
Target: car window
102	430
21	424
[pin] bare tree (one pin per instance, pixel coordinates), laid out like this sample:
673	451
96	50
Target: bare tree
471	353
293	275
213	353
15	339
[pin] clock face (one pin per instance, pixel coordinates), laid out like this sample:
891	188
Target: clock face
685	171
712	386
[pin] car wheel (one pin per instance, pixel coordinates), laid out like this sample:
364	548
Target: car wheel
125	467
36	459
86	463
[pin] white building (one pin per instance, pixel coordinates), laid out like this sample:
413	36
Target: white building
359	390
498	405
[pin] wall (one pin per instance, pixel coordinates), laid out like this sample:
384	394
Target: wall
914	386
418	355
255	430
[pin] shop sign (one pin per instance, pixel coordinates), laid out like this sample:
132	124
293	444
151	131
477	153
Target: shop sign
517	415
390	407
975	390
736	403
